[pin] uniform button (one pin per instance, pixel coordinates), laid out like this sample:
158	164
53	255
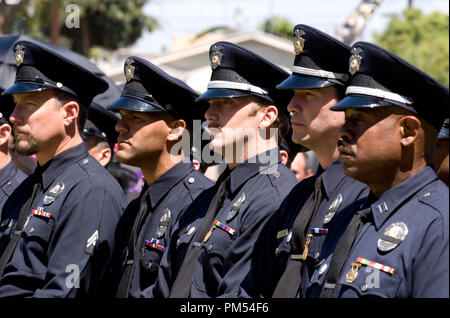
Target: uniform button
9	182
317	255
210	247
32	230
191	180
427	194
276	251
364	287
276	174
149	265
178	241
85	161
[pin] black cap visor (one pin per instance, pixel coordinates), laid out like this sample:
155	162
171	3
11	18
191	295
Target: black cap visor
223	93
299	82
135	105
26	87
358	101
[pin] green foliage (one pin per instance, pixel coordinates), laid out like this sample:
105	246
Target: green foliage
109	24
278	26
420	39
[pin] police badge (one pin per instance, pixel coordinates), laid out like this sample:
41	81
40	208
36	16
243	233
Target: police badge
215	56
163	223
236	206
19	54
299	42
355	60
333	208
53	193
393	236
129	69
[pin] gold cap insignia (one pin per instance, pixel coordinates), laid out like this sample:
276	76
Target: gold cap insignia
299	42
129	69
19	54
215	56
355	60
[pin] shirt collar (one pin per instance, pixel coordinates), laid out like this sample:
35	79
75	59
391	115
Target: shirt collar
7	172
56	166
331	177
161	186
261	163
391	199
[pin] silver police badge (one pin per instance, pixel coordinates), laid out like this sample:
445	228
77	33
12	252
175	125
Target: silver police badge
54	192
19	54
299	42
215	56
355	60
393	236
334	207
163	223
236	206
129	69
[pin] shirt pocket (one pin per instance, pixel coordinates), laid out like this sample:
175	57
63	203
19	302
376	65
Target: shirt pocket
370	283
149	265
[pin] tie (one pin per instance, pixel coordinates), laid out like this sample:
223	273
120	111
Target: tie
125	281
182	285
289	282
342	250
20	223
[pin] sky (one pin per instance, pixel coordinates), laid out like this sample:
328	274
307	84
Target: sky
194	16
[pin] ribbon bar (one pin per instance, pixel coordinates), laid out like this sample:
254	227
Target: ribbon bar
319	230
381	267
224	227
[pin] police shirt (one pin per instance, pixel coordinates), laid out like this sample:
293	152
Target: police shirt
69	233
338	191
402	251
256	190
10	178
168	197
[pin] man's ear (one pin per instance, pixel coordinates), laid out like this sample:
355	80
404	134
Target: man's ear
177	127
5	134
409	130
284	156
71	111
104	156
268	115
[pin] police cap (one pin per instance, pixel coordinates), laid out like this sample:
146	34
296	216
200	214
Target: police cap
238	72
150	89
40	67
6	108
380	78
100	124
320	60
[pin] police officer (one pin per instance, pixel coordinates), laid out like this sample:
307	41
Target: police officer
157	111
58	226
10	175
210	252
396	244
99	133
290	246
440	156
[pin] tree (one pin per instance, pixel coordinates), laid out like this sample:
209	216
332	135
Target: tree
420	39
278	26
110	24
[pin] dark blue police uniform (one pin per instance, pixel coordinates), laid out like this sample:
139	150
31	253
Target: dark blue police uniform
314	68
63	242
149	89
400	248
255	190
10	178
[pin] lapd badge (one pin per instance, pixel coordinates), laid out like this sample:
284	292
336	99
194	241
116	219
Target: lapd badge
53	193
215	56
393	236
355	60
299	42
236	206
19	54
333	208
163	223
129	69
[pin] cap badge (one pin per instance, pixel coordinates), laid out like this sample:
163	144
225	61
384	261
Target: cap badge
215	56
19	54
163	223
355	60
299	42
129	69
393	236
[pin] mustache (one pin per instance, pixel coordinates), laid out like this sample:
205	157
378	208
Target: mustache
344	147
